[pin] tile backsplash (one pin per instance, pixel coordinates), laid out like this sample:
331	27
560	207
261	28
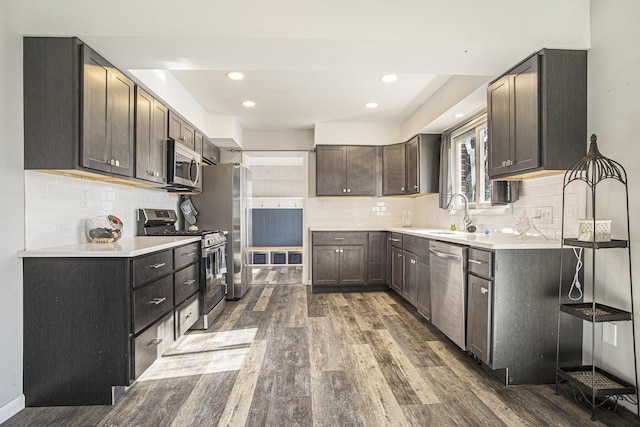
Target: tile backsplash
57	207
534	193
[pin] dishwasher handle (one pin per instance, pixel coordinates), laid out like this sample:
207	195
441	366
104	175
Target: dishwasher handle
445	255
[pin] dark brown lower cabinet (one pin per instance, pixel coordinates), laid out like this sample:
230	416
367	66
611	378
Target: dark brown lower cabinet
94	325
397	267
339	265
376	258
479	293
423	284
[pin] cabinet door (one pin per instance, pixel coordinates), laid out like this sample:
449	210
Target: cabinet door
396	270
361	170
189	136
325	270
410	282
499	119
175	127
352	265
107	116
151	134
479	318
120	129
393	169
376	253
198	143
388	258
96	152
413	166
525	139
423	283
330	171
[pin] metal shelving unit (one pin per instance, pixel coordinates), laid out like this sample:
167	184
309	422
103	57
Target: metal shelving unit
595	384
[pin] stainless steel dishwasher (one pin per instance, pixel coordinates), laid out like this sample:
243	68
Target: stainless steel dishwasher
449	290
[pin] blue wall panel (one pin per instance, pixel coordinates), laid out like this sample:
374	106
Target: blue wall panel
277	227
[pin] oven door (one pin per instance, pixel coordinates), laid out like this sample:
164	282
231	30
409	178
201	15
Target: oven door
184	165
214	282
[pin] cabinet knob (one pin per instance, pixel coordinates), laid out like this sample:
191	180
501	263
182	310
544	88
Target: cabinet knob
337	250
348	190
341	251
401	188
344	190
413	261
415	187
483	290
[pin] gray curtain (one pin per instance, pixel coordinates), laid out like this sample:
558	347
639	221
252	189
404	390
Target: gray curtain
446	169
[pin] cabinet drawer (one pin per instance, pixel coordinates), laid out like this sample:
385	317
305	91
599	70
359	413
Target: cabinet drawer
186	282
416	245
187	314
153	343
339	238
396	240
481	263
185	255
151	267
151	302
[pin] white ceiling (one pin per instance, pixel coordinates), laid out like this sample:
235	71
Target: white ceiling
319	61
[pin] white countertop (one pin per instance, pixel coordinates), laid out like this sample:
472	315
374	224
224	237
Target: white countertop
481	240
124	248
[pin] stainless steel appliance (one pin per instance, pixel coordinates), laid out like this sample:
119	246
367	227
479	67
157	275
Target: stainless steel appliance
184	166
449	290
213	268
224	204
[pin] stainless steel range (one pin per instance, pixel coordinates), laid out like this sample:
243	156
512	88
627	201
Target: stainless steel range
213	266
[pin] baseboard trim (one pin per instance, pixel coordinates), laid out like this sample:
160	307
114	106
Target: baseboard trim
10	409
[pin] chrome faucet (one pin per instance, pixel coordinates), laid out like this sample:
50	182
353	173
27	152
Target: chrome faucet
466	220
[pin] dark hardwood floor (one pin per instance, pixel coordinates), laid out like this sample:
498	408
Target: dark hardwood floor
283	356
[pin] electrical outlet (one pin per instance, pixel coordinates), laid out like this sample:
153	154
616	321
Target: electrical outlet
84	198
546	215
610	333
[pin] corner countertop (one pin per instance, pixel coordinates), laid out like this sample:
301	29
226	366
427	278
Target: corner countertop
127	247
480	240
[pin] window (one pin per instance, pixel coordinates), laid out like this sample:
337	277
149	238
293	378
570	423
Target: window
470	163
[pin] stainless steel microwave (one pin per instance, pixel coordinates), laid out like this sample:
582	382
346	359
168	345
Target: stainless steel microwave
184	166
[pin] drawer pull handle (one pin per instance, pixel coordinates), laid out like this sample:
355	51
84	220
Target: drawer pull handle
189	282
338	238
156	341
475	261
413	261
156	266
483	290
187	316
158	300
189	254
395	240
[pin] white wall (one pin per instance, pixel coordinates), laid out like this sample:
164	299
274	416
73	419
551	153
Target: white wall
57	207
613	109
12	190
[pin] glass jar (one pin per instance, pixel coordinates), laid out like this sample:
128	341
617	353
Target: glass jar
104	229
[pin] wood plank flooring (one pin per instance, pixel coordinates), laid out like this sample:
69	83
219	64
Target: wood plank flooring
283	356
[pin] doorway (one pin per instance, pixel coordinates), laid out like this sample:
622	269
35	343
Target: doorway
278	186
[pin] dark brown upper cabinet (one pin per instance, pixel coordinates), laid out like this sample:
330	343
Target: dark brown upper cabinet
347	170
537	115
78	109
412	167
394	177
151	137
182	131
210	153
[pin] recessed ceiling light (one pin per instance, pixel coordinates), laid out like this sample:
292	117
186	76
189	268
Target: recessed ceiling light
371	105
249	103
458	115
234	75
389	78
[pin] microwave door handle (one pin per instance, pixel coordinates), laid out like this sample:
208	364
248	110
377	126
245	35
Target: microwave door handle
194	163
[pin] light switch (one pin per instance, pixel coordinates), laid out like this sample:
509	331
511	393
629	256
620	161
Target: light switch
610	333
